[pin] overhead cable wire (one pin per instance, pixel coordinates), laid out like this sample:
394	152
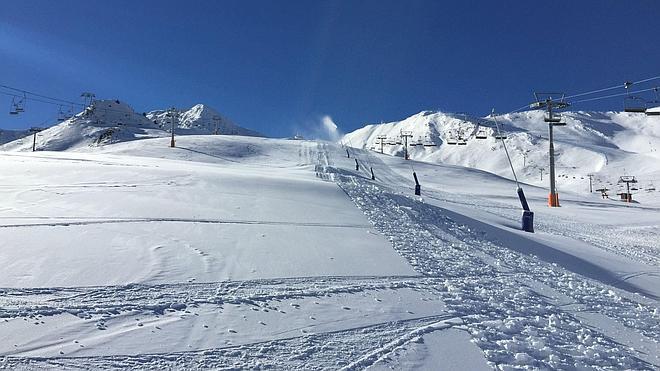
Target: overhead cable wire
612	95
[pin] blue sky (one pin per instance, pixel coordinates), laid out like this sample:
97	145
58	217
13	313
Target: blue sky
278	66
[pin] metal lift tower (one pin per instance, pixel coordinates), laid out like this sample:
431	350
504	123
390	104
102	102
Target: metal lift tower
405	134
545	101
381	139
173	116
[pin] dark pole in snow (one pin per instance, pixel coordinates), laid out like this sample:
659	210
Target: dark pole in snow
173	122
357	166
373	177
347	153
590	182
528	215
216	120
418	188
34	132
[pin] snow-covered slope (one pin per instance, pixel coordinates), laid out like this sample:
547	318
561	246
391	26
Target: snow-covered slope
256	253
607	144
104	122
201	119
112	121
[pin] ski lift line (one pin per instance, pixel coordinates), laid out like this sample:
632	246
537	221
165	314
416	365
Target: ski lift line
497	125
32	99
613	95
37	95
53	101
60	104
612	87
598	91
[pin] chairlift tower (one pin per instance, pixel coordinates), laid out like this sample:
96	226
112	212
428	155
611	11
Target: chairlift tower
591	178
88	98
545	101
627	179
173	116
381	139
405	134
216	121
34	131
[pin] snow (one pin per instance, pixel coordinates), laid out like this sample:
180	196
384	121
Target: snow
606	144
200	119
250	253
112	121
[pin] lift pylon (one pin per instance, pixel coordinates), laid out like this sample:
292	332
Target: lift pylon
405	134
547	102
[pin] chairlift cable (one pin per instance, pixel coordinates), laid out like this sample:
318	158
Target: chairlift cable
38	95
497	125
612	87
612	95
53	101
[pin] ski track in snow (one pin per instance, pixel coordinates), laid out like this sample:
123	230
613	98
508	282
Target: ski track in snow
421	233
520	311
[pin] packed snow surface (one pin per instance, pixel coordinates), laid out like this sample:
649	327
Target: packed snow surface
237	252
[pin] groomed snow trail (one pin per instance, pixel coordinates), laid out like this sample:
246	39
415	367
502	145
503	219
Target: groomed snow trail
520	311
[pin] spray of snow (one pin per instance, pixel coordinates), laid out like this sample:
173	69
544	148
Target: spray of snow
330	128
323	127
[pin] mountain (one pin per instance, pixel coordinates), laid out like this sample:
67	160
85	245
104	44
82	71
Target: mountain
7	136
200	119
607	144
112	121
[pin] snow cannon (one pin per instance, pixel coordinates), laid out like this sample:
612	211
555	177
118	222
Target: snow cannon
418	188
528	215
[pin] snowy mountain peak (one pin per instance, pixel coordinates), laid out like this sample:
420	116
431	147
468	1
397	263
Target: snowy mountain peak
200	119
608	144
108	121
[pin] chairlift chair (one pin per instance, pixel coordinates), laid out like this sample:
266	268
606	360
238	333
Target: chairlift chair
17	105
481	134
428	142
61	116
20	104
653	106
632	103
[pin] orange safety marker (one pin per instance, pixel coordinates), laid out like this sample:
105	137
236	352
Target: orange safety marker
553	200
